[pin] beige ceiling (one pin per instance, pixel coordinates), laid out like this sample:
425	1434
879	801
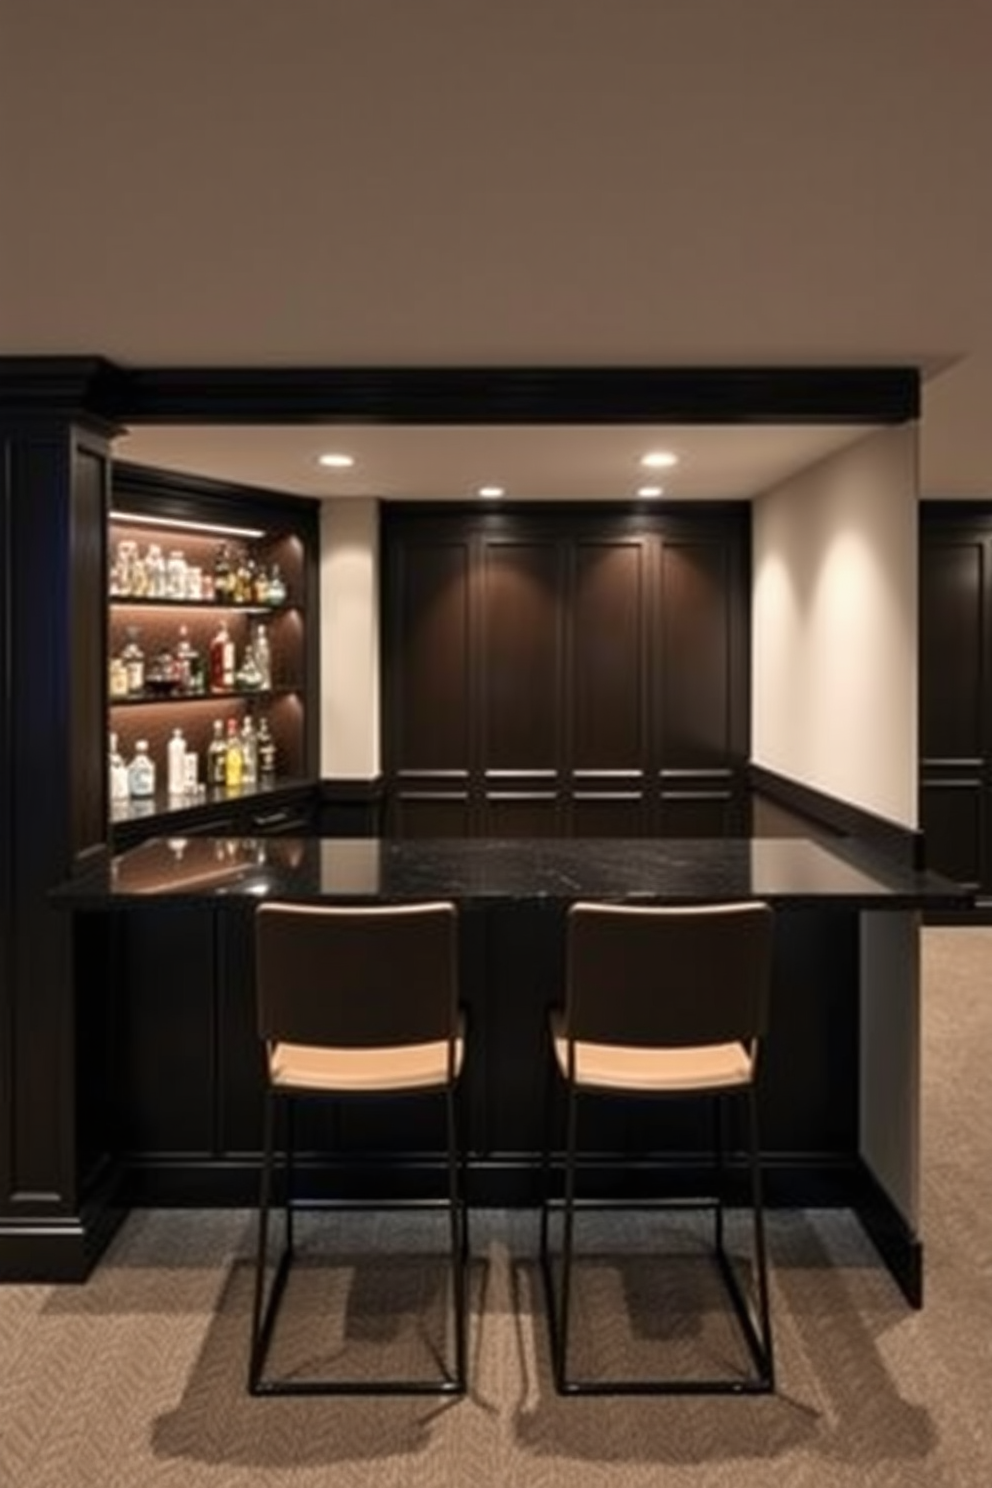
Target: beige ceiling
508	182
438	463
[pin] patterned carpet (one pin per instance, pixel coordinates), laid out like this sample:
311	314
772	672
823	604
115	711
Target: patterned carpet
138	1377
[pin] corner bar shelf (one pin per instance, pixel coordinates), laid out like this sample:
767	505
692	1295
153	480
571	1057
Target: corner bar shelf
189	518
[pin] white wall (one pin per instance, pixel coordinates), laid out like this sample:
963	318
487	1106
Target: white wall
834	675
349	639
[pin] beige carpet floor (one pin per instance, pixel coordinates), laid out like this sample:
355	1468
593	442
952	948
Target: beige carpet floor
138	1377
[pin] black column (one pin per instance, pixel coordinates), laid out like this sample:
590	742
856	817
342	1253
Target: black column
55	1174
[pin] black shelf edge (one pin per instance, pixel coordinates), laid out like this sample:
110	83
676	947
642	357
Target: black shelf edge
142	602
174	699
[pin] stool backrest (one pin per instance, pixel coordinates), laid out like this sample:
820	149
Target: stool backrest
342	976
668	976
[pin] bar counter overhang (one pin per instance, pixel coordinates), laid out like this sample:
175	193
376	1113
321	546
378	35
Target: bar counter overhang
168	1064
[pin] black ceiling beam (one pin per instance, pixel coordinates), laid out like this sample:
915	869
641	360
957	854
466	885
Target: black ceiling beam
462	395
538	395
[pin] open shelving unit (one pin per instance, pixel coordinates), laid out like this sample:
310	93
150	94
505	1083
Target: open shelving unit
193	517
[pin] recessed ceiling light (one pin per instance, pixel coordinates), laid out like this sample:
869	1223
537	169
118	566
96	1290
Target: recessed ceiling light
335	461
659	459
650	491
492	492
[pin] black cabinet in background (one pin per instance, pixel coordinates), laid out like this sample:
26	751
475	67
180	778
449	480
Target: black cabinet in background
569	671
956	691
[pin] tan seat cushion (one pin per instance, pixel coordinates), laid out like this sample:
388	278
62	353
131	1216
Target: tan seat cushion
400	1067
654	1071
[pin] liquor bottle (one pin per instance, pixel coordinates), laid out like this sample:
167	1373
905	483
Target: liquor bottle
134	661
234	761
141	773
184	660
217	756
277	586
119	786
266	752
222	660
248	677
263	657
156	582
175	575
222	575
249	752
176	763
248	576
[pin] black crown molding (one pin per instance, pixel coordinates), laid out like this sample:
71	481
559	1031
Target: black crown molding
73	387
460	395
535	395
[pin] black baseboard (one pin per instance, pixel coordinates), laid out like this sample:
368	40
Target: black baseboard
57	1251
502	1181
66	1250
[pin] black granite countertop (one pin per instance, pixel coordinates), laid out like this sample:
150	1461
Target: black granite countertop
786	870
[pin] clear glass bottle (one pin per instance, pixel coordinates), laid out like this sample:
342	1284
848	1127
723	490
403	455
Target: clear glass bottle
277	594
133	658
175	575
141	773
156	583
122	578
263	657
217	756
119	784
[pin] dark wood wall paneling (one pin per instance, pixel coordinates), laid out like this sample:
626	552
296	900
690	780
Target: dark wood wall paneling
566	671
55	484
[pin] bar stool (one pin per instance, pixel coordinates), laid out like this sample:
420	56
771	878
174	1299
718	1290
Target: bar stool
669	1003
357	1003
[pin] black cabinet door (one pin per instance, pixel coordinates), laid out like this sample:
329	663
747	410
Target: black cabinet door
956	696
565	673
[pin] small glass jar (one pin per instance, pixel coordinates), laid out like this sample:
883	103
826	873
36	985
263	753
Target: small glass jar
117	680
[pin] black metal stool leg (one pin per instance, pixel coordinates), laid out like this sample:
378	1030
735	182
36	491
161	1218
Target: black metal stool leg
568	1231
289	1170
458	1239
760	1248
261	1257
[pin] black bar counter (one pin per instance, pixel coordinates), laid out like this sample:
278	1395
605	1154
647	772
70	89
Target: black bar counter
168	1062
787	871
